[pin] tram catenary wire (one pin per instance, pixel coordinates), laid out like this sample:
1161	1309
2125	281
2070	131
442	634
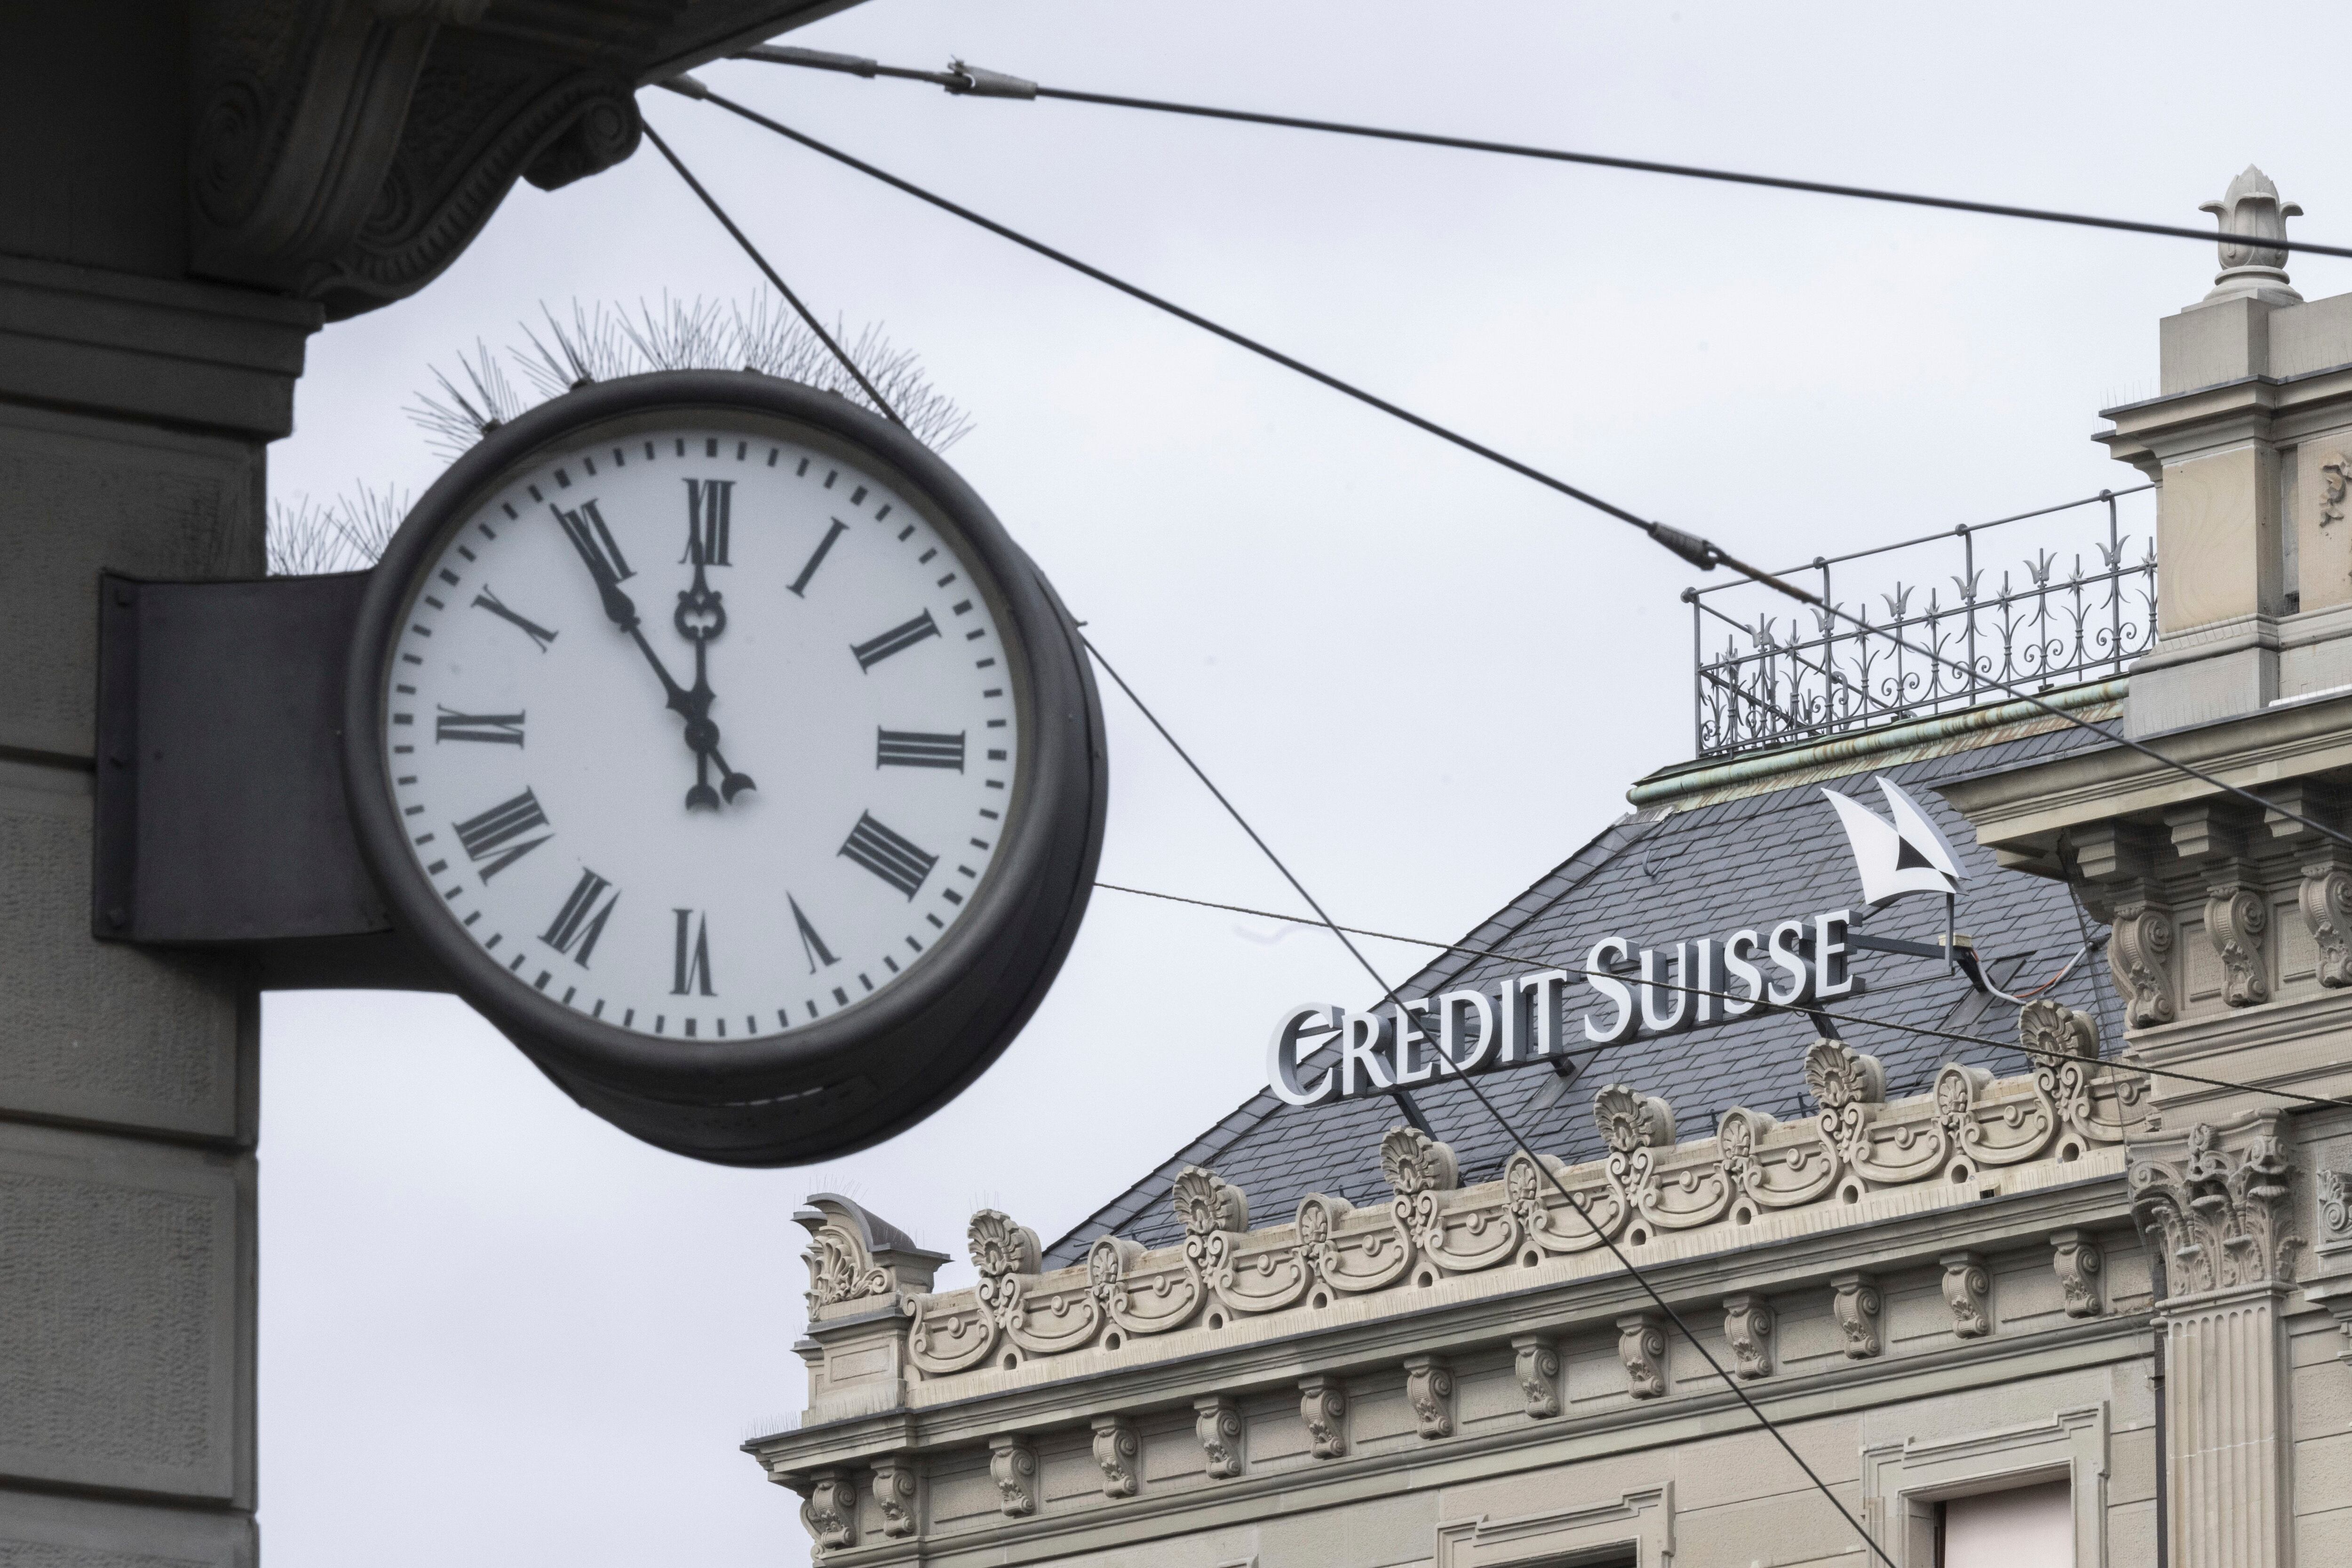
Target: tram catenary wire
1519	1141
1794	1008
968	81
1699	551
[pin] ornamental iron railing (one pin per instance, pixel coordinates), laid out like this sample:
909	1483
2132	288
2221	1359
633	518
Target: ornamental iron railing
2056	619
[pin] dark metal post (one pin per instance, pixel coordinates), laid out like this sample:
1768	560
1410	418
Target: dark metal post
2115	581
1698	679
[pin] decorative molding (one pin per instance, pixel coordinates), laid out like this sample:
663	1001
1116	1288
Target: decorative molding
2237	917
347	152
1118	1450
1901	1482
1857	1305
2081	1265
1535	1361
830	1510
1642	1519
1429	1389
1323	1406
1967	1284
2214	1198
853	1256
2332	471
2325	899
1642	1346
1012	1466
2140	955
1217	1421
1747	1326
1708	1192
897	1487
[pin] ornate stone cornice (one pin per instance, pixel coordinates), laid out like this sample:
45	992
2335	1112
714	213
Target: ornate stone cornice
346	150
857	1262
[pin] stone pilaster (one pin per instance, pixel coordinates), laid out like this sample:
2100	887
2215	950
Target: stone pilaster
2212	1201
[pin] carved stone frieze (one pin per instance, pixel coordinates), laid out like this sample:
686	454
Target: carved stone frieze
896	1485
1012	1466
2325	899
2237	917
1429	1389
2080	1266
2214	1198
1117	1452
1323	1407
1971	1125
1642	1346
1217	1421
1968	1289
1535	1362
1748	1328
2139	955
346	152
1856	1304
830	1510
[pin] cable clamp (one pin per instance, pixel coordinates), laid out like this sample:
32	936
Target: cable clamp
974	82
685	85
1699	552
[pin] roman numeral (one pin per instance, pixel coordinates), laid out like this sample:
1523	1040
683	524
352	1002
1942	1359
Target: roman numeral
894	859
913	748
709	507
487	600
498	728
813	946
582	919
492	836
589	535
690	971
816	558
895	641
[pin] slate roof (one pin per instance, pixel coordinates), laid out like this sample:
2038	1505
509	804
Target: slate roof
1658	877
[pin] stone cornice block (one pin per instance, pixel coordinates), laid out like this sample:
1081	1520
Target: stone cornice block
1429	1389
1535	1362
1217	1421
1323	1407
1967	1289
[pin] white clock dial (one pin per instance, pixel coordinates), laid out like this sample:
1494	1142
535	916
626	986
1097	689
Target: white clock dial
711	798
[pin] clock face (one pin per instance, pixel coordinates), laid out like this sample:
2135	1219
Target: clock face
701	727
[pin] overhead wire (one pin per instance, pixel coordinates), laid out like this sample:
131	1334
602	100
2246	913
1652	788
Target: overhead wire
760	261
963	80
1697	549
1521	1143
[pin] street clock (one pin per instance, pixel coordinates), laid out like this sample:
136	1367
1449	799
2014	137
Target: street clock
716	739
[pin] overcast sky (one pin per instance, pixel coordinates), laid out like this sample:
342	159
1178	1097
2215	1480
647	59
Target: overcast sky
495	1331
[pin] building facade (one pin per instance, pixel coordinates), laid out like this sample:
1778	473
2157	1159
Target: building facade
2061	1280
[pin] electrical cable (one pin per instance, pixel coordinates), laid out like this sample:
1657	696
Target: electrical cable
783	288
970	81
1510	1132
1699	551
1808	1010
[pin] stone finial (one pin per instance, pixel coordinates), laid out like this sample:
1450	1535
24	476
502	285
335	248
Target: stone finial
1416	1163
852	1255
2251	212
999	1247
1205	1202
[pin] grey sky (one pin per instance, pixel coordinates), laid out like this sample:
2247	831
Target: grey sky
495	1331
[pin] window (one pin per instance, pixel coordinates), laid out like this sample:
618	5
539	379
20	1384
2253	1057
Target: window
2023	1527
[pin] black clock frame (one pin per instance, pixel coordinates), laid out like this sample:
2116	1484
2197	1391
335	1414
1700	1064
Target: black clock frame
859	1076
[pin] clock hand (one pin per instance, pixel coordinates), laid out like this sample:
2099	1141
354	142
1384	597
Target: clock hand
700	617
606	566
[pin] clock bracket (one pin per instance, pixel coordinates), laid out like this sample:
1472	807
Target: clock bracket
221	819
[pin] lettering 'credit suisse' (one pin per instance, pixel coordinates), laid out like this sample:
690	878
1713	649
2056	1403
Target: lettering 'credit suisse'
1520	1020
